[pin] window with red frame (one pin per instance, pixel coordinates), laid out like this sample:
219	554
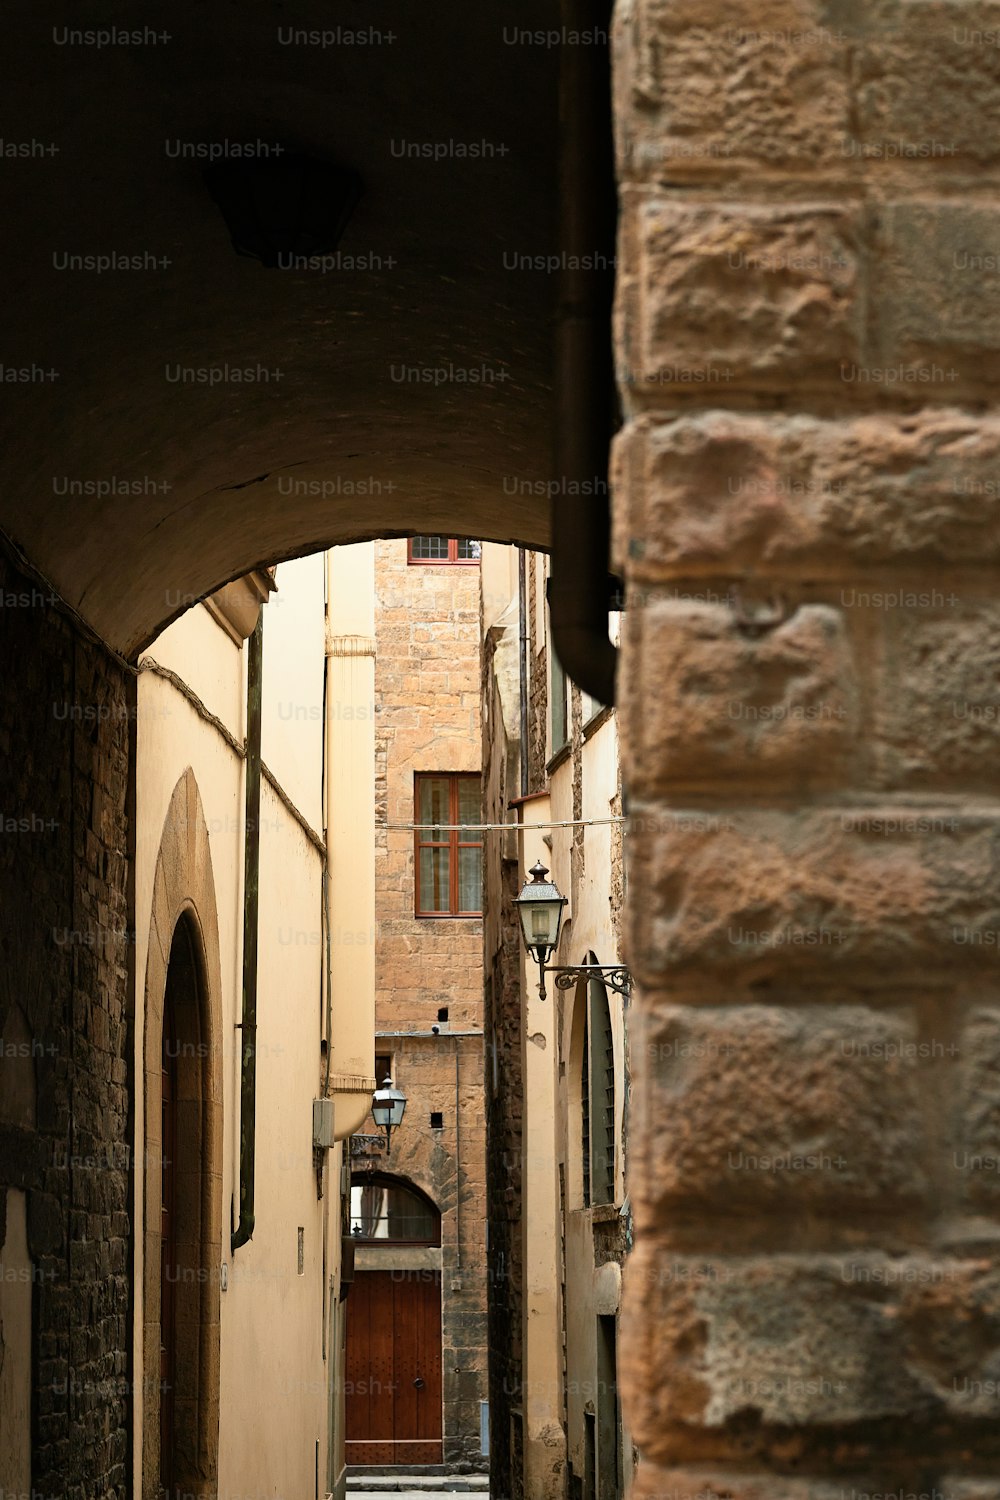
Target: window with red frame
442	550
449	860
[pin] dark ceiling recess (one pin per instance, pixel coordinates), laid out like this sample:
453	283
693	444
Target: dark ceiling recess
282	206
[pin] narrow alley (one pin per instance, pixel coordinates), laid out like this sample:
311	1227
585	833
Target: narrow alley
499	837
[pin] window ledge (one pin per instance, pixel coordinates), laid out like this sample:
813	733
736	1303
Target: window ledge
598	721
598	1213
559	759
448	916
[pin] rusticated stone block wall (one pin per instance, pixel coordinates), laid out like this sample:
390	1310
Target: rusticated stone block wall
806	511
64	744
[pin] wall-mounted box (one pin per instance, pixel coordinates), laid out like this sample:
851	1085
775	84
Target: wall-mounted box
323	1124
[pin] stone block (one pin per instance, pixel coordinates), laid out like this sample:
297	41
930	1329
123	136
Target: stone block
938	709
706	697
783	1109
720	492
926	84
747	295
975	1158
810	1341
724	1483
710	86
883	890
935	298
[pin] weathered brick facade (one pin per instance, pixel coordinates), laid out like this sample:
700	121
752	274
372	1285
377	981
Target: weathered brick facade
64	960
804	513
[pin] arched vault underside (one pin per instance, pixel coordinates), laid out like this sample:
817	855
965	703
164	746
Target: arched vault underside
407	388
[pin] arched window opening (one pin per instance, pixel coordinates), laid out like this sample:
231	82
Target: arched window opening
385	1210
602	1096
181	1205
179	1410
585	1108
597	1096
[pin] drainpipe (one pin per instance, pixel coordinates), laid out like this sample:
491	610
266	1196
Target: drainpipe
458	1169
579	589
251	893
522	611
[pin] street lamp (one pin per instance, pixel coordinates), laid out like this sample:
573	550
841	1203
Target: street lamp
388	1106
540	908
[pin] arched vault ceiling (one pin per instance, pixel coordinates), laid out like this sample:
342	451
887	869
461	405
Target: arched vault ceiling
333	444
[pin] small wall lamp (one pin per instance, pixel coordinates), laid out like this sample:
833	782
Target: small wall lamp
388	1108
540	907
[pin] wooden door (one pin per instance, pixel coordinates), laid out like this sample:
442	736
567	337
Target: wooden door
608	1418
393	1395
168	1254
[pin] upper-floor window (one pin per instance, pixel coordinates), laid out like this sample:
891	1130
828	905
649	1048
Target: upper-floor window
602	1107
597	1096
559	711
449	858
442	549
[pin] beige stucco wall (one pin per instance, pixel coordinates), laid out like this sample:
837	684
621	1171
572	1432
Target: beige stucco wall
350	822
292	732
273	1399
591	1290
542	1404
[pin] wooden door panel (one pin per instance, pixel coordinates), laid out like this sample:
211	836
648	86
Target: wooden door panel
370	1365
382	1376
357	1396
407	1368
393	1405
168	1253
428	1303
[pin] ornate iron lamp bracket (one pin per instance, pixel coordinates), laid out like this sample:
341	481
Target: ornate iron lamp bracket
615	976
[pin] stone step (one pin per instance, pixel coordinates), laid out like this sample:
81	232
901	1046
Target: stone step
426	1481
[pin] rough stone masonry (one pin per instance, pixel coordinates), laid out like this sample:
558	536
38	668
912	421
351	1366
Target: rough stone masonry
65	726
807	483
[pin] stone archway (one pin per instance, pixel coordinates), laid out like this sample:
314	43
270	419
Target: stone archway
183	976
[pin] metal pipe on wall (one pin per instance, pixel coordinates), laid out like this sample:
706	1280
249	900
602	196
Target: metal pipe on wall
251	902
522	612
579	588
458	1168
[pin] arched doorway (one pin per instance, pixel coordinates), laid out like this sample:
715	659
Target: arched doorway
393	1382
182	1051
182	1166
